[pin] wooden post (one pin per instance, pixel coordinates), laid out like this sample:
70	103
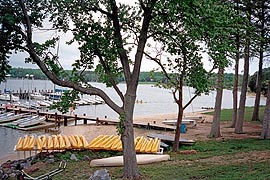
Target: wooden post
55	119
76	118
97	121
65	120
37	112
84	120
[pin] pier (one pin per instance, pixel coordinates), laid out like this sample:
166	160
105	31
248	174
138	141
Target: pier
54	120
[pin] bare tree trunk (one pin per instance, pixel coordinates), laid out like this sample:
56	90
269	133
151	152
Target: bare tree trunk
179	118
266	118
215	129
255	115
242	103
130	162
235	84
241	112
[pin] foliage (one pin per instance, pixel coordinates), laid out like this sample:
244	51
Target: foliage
120	126
253	79
67	101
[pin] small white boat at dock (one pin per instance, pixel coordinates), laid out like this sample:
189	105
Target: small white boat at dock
9	97
32	122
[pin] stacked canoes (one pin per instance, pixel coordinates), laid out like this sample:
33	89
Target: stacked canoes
54	142
142	144
102	142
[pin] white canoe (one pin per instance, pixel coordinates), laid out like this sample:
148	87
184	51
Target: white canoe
118	160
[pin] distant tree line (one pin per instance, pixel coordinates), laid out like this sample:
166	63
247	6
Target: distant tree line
145	77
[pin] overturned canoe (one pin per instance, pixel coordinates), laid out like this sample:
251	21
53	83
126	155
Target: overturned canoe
118	160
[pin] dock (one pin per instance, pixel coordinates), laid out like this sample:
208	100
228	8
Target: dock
55	120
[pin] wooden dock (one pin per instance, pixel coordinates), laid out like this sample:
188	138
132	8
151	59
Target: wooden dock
54	119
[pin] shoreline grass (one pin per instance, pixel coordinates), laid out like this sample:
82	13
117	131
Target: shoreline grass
226	114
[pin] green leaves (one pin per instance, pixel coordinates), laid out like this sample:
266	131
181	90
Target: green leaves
67	100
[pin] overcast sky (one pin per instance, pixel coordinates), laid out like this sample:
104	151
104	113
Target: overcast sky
69	53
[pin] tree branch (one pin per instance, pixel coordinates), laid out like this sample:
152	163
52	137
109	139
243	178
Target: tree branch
53	77
119	41
110	76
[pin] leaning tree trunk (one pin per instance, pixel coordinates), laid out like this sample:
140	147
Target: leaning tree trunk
179	118
255	115
130	162
215	129
266	118
241	112
235	84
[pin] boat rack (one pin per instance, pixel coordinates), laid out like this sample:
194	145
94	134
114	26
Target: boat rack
47	176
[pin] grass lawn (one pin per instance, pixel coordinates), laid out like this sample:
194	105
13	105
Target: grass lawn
226	114
222	159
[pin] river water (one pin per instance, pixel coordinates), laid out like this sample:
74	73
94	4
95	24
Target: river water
154	101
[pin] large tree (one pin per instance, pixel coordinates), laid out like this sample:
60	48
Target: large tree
261	23
191	26
247	42
103	30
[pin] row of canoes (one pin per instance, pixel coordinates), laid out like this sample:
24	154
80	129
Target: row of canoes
114	143
102	142
54	142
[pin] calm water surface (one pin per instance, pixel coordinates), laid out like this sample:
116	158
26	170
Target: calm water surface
154	101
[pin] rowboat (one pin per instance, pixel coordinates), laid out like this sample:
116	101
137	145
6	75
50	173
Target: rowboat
7	114
170	139
184	121
118	160
13	117
32	122
22	120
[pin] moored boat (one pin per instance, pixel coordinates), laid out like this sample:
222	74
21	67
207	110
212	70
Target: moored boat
13	117
9	97
32	122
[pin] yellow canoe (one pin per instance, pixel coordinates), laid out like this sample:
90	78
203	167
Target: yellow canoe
19	145
67	142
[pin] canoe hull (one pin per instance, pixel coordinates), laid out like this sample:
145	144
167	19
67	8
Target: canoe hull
118	160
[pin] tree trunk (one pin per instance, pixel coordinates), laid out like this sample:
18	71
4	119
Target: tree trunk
266	118
242	103
241	112
215	129
179	118
235	84
255	115
129	154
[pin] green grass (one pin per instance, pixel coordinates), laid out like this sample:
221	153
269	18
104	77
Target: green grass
223	159
226	114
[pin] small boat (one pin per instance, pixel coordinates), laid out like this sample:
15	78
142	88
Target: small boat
170	139
22	120
184	121
118	160
43	103
13	117
7	114
9	97
37	95
32	122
